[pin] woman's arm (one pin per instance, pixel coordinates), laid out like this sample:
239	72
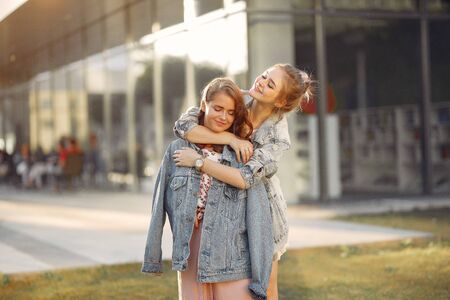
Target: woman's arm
186	127
187	157
263	163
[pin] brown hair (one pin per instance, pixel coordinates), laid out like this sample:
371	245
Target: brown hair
241	127
298	88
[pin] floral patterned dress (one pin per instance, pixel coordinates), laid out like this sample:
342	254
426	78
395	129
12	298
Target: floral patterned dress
205	184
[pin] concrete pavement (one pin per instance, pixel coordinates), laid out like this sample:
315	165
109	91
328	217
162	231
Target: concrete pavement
44	231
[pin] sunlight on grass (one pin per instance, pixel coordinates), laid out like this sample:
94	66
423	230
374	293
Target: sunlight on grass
406	269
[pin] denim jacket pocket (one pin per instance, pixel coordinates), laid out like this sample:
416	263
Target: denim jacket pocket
176	185
232	204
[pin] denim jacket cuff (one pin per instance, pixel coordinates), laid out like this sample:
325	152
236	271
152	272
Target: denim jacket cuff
247	175
150	267
182	128
257	291
270	169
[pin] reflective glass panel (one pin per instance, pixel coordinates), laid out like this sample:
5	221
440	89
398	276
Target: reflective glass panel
390	5
95	88
374	85
142	70
205	6
440	113
77	102
305	4
117	84
439	6
45	116
171	54
61	105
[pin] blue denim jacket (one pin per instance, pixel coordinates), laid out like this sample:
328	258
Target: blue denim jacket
236	227
270	140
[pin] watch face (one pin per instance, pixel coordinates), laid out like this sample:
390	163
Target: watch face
199	163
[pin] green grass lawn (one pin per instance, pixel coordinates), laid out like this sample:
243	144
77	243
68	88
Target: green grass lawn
407	269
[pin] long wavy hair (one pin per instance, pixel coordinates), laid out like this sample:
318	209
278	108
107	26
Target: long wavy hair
241	127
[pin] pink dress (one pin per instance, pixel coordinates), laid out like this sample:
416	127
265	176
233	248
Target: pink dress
188	287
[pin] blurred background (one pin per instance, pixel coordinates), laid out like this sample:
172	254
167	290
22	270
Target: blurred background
90	90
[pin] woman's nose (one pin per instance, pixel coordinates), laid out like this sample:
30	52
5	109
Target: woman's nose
261	82
223	115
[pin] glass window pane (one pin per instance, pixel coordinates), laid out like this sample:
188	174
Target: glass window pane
171	52
440	94
61	106
305	4
45	117
95	88
305	53
205	6
142	69
439	6
374	84
440	60
77	102
117	84
174	92
369	66
390	5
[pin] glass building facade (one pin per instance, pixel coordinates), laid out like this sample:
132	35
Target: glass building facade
124	70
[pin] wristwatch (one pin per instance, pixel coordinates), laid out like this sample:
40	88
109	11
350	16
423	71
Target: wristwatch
198	163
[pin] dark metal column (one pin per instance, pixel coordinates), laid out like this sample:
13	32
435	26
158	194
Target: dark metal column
321	104
425	104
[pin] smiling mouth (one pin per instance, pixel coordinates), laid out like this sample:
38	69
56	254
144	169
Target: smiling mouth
258	89
221	123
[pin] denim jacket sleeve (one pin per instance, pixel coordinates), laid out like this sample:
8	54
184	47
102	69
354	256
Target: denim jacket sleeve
260	241
187	121
269	147
153	252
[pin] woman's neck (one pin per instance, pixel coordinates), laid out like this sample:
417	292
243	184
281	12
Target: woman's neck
259	112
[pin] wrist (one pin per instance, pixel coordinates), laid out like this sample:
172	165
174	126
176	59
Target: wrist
198	163
229	137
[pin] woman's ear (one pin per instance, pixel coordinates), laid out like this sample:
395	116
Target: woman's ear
280	103
203	105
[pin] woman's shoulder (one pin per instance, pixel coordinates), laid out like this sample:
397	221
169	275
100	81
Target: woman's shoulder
178	144
274	129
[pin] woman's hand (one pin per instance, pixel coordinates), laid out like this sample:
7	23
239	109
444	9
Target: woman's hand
243	149
185	157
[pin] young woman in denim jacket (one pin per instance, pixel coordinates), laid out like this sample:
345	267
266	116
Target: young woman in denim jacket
218	230
278	90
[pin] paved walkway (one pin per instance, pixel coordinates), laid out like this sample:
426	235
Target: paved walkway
44	231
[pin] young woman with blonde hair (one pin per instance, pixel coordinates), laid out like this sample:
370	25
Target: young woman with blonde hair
277	91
